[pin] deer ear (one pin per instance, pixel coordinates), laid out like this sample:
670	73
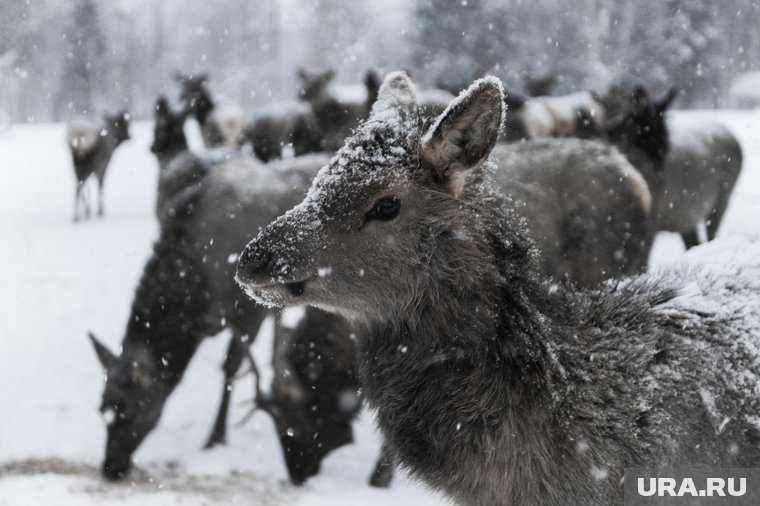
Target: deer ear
162	106
107	359
396	92
178	77
669	98
302	74
372	82
328	75
464	135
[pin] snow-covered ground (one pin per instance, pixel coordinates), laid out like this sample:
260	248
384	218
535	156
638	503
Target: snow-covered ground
59	279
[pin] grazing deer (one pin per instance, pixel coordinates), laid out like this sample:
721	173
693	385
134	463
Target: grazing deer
221	124
315	390
701	168
91	149
490	384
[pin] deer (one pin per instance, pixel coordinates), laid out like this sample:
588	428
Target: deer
691	175
92	147
222	123
490	383
337	110
691	167
701	169
316	390
588	209
169	140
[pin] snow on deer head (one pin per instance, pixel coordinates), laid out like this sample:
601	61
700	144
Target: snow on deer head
387	207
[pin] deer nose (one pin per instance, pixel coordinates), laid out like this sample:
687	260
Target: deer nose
253	262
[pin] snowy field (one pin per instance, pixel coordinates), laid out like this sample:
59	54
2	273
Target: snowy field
58	280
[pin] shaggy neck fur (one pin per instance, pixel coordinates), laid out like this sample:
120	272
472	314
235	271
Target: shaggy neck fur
460	363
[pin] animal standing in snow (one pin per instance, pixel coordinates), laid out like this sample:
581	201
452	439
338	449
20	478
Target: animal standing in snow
691	167
91	148
701	169
221	124
489	384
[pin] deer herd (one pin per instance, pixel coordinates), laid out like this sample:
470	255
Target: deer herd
472	267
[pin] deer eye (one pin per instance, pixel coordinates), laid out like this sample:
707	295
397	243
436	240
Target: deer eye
385	209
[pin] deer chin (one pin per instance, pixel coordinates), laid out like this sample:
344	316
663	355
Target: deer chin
278	294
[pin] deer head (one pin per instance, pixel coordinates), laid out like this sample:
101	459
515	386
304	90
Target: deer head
168	129
314	85
387	208
118	125
640	121
131	405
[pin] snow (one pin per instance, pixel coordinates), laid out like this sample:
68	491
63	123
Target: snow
349	93
60	280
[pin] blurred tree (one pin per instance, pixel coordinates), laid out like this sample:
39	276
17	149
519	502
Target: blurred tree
459	39
84	65
70	58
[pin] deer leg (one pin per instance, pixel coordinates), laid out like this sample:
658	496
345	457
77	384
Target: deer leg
383	473
77	199
691	238
716	215
86	198
100	195
232	361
